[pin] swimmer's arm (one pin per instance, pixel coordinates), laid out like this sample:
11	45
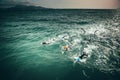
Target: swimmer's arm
75	61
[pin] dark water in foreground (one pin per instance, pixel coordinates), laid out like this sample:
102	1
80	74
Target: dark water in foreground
23	57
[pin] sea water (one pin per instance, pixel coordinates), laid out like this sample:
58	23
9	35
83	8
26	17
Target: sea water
24	57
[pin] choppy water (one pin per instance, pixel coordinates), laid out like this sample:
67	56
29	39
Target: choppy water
23	57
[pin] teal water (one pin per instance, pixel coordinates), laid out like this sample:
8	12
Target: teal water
23	57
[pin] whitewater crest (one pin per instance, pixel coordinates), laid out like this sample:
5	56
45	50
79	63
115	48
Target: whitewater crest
100	42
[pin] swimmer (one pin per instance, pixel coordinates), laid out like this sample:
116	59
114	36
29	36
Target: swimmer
45	42
50	41
66	48
77	59
83	55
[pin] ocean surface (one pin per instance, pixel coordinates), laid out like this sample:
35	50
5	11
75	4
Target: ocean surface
24	57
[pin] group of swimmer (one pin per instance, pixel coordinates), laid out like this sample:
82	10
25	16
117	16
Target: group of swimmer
69	46
76	58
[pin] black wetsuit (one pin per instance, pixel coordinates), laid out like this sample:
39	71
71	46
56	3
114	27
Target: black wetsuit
82	56
44	43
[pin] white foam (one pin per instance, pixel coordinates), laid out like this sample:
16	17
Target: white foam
89	48
100	29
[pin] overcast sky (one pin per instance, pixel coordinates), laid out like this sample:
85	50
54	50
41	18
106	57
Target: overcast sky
104	4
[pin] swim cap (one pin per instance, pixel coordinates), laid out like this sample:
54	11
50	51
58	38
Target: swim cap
77	58
65	47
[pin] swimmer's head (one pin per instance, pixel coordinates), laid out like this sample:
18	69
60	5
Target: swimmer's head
65	47
44	43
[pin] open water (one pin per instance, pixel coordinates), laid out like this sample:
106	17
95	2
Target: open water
24	57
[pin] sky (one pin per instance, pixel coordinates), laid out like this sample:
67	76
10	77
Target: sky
96	4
